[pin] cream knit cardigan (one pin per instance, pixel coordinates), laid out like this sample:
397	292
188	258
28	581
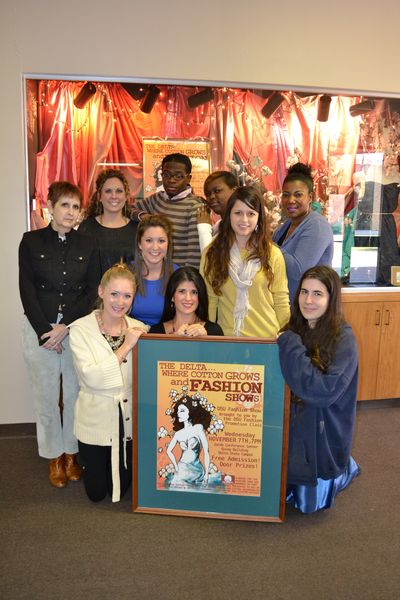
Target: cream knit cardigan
104	386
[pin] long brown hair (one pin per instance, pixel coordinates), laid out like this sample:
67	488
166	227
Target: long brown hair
259	245
320	341
139	264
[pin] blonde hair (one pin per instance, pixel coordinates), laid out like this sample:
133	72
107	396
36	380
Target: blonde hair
117	271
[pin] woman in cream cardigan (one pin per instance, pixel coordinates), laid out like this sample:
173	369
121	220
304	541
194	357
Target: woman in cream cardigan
101	345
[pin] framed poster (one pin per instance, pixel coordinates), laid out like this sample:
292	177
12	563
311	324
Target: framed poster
211	422
154	151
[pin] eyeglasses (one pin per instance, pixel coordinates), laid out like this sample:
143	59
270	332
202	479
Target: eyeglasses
177	176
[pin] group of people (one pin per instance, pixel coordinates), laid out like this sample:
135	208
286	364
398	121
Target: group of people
182	265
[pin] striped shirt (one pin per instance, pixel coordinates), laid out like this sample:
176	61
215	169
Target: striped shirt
181	211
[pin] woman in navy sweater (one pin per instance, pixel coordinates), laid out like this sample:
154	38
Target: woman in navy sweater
319	361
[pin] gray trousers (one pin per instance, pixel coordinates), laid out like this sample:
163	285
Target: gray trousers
54	436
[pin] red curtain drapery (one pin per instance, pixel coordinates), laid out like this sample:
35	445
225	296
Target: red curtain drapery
75	144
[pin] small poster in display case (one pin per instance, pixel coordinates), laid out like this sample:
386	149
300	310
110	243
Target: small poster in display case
154	150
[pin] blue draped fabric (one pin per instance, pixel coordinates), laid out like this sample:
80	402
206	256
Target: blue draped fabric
309	499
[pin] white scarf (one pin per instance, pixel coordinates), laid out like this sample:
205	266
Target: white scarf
242	274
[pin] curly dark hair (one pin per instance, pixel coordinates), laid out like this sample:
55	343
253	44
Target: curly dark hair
300	172
95	207
197	413
320	341
260	243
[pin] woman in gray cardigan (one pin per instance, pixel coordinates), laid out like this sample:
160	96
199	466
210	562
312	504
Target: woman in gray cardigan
305	238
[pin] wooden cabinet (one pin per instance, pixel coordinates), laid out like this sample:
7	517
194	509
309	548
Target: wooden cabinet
375	319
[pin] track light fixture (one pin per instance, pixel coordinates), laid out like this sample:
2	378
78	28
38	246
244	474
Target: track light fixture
394	104
361	108
305	94
136	90
150	99
324	104
272	104
262	93
84	95
200	98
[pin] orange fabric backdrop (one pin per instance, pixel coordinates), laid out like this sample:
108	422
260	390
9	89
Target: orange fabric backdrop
111	126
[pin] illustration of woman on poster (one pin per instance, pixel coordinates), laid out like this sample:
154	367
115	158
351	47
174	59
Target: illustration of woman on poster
191	420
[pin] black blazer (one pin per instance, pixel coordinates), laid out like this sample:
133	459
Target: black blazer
57	276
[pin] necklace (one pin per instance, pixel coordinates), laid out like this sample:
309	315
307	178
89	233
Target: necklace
115	341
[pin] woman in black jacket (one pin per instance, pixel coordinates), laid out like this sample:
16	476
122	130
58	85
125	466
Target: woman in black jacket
59	271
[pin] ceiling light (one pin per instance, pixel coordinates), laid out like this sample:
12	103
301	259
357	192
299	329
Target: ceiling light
84	95
273	103
150	99
324	104
200	98
361	108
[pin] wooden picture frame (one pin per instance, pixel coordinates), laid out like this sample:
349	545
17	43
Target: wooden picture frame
218	409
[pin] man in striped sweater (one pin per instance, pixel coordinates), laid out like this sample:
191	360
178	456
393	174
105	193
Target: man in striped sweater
179	205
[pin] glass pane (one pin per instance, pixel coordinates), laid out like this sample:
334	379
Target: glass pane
74	129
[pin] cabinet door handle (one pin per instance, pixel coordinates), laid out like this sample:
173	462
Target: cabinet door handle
377	317
387	317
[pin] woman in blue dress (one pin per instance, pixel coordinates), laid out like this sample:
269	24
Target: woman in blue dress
319	361
153	267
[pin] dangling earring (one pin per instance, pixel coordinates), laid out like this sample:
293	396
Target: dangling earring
99	206
256	228
126	211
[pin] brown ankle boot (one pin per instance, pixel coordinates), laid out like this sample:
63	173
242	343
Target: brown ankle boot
57	474
72	470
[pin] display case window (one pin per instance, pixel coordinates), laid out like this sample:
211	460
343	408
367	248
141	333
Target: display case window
76	128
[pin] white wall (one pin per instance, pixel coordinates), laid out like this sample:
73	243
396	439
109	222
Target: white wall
344	45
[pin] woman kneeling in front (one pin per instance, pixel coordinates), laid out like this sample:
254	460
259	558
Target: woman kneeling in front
319	361
101	345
